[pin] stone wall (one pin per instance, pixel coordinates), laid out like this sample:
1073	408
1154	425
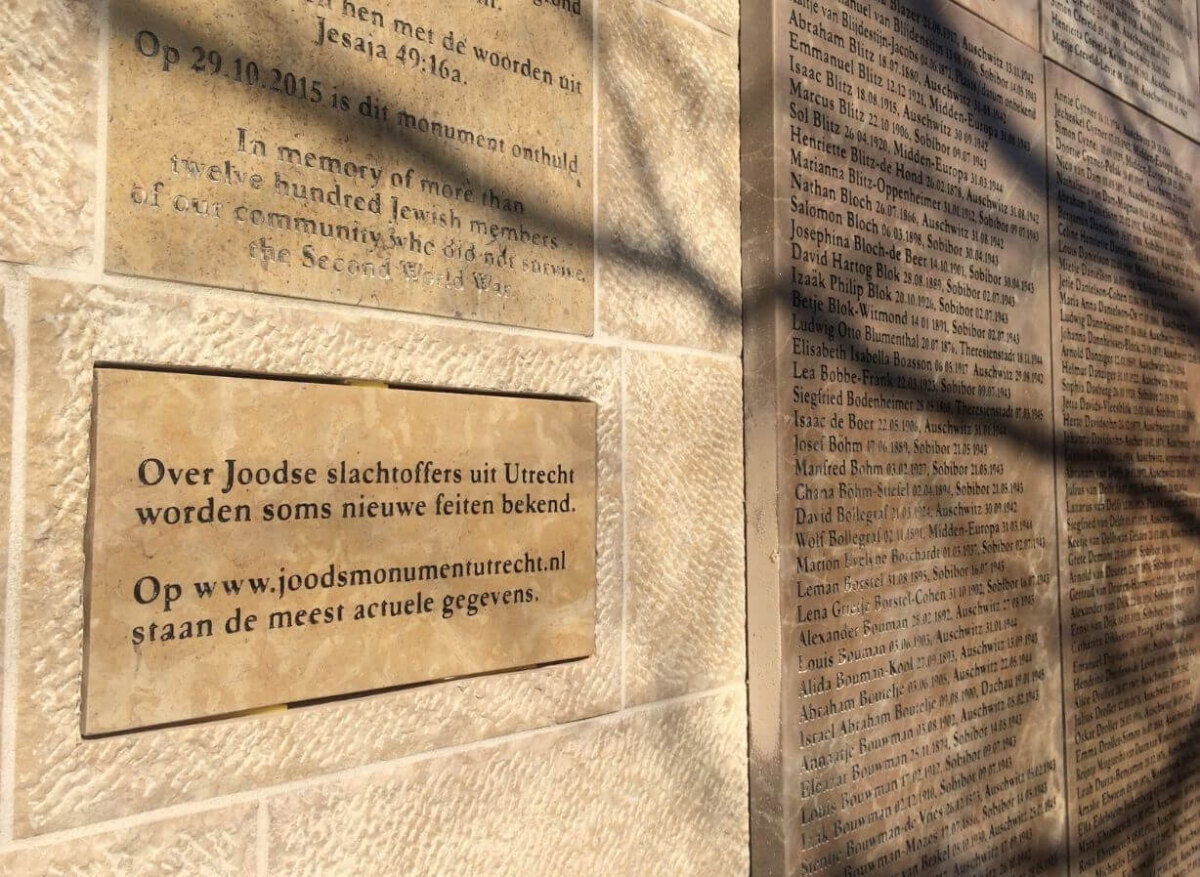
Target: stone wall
629	762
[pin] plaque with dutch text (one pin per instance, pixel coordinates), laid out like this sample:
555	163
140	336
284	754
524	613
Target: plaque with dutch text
433	156
255	542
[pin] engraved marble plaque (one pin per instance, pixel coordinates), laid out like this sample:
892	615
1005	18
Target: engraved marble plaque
1143	52
255	542
426	156
905	684
1126	284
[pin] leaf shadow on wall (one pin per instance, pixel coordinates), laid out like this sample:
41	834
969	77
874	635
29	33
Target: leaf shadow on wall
1136	825
662	252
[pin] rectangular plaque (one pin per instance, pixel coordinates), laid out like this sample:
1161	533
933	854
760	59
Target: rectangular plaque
1143	52
426	156
1126	227
905	696
255	542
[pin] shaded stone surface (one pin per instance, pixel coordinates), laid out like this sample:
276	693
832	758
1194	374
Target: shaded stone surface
1126	226
1146	53
421	157
1016	17
667	188
905	718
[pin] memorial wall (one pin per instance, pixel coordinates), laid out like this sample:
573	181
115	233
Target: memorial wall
971	285
397	476
356	363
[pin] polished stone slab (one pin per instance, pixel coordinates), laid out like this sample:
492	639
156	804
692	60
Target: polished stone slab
431	156
255	542
903	610
1125	219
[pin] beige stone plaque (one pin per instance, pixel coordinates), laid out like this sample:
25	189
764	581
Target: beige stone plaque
905	711
1126	283
256	542
1145	53
428	156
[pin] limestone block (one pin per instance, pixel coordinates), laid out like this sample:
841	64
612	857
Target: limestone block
220	843
685	620
668	191
662	791
63	780
48	65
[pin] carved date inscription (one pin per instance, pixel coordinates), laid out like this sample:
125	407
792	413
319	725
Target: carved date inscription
429	156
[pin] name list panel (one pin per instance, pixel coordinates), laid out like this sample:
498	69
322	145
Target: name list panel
920	699
1126	288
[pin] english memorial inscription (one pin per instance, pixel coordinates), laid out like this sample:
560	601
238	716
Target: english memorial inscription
395	536
912	580
427	156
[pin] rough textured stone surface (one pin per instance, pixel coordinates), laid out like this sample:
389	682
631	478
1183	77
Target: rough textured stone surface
216	844
668	229
47	130
659	792
685	621
720	15
63	780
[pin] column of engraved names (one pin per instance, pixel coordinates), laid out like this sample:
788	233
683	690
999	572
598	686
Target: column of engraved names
918	537
1126	280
